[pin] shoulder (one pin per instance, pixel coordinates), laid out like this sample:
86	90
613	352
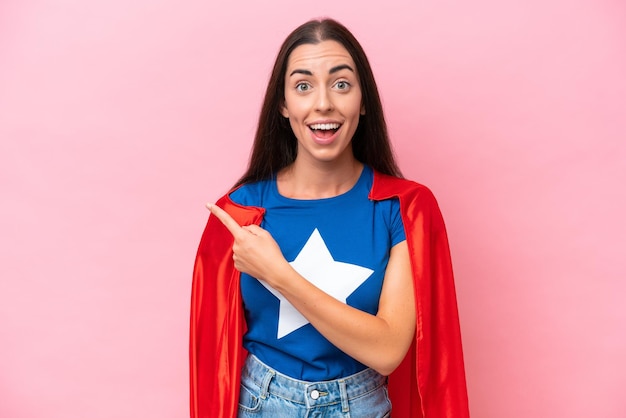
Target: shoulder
250	194
385	187
243	203
417	202
243	210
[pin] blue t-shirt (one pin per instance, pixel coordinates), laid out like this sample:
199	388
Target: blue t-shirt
341	244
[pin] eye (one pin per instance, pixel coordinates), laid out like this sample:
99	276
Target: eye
342	85
303	87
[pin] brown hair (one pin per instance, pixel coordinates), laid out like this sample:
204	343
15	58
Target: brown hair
275	145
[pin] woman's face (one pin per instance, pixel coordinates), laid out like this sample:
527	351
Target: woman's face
322	101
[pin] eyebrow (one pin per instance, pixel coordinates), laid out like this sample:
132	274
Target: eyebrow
331	71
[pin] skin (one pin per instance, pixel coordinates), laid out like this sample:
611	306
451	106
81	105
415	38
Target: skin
316	90
321	85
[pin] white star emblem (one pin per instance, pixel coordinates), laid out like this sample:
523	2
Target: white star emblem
316	264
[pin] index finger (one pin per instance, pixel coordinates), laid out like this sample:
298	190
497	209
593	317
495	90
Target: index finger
225	218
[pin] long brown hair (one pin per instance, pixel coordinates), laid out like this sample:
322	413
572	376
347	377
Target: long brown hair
275	145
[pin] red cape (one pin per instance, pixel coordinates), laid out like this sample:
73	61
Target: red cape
428	385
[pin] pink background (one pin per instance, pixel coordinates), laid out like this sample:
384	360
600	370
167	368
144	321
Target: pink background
119	119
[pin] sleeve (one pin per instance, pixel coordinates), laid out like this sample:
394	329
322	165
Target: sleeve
397	226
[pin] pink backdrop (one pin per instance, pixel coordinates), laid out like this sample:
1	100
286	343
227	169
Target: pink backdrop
119	119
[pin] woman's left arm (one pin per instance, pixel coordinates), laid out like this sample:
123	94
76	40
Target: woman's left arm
379	341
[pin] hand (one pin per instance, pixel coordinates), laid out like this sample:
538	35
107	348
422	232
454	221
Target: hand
255	252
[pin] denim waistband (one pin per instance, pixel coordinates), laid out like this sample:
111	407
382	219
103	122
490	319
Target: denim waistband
310	394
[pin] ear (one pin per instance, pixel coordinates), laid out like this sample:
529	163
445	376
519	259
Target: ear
362	110
283	110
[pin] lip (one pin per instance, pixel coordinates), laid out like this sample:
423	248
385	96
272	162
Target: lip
324	141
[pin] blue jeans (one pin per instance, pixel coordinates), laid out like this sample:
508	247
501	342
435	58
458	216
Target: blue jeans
267	393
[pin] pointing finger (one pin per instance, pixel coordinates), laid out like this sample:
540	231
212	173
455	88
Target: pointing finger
225	218
254	229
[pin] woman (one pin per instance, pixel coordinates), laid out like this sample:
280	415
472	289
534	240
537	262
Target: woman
322	274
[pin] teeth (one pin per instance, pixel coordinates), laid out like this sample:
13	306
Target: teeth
324	126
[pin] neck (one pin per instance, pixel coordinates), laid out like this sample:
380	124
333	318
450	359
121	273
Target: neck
318	181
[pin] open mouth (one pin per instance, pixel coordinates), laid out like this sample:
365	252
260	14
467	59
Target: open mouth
324	130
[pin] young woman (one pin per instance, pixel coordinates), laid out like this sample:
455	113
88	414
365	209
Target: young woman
323	284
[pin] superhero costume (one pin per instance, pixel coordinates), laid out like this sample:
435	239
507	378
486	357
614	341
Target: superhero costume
430	381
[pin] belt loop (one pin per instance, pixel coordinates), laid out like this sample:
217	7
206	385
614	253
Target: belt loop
265	385
345	407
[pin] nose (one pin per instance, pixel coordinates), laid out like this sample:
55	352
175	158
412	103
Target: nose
324	101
